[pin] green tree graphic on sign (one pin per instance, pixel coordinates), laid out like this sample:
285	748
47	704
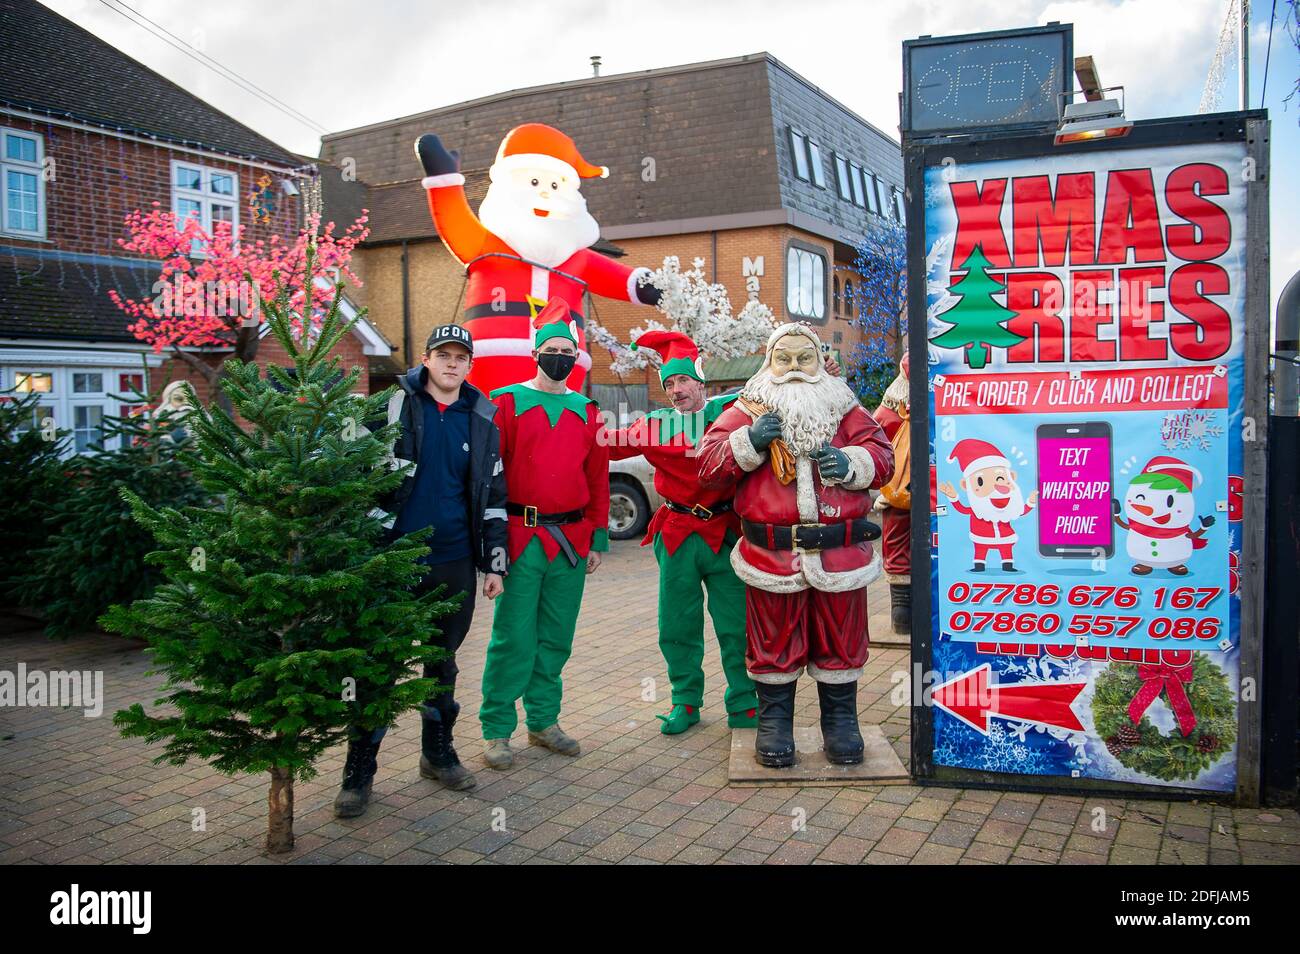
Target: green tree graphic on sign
977	319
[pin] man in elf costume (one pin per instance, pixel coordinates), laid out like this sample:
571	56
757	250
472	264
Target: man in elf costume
557	473
895	500
1160	507
800	453
693	534
529	243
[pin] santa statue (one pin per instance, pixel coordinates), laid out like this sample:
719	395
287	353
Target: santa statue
895	500
995	500
1160	507
528	244
800	453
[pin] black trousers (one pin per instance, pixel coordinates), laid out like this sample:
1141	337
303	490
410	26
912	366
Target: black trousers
459	577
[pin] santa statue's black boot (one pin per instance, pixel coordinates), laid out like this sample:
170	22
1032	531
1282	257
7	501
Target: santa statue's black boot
900	608
774	741
841	738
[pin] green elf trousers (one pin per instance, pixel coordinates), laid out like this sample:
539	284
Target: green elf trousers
684	576
532	637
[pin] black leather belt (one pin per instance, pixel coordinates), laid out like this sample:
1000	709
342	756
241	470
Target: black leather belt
516	309
534	519
697	510
810	536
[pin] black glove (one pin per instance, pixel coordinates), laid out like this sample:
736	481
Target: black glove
832	463
437	161
765	430
648	294
1115	507
1207	521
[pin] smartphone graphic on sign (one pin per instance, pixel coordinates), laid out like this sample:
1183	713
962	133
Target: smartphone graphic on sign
1075	489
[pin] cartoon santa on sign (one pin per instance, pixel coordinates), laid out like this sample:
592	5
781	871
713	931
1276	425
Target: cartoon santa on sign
995	499
527	245
1159	507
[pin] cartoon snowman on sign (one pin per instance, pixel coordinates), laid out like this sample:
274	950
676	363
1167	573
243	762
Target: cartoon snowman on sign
1159	507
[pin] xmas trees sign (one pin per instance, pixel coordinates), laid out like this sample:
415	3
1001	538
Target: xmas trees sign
284	618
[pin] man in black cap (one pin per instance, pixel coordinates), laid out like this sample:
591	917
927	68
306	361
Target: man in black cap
457	490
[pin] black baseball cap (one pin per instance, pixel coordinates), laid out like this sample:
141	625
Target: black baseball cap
456	334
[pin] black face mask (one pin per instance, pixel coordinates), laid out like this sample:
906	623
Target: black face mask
556	366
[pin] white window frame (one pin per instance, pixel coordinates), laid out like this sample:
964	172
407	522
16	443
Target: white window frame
62	400
805	283
204	195
36	169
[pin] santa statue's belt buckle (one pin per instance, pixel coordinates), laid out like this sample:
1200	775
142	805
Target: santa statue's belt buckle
704	513
794	538
530	515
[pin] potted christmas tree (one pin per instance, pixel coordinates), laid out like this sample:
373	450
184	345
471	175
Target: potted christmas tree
285	620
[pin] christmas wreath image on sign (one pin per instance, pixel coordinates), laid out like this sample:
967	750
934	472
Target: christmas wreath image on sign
1199	696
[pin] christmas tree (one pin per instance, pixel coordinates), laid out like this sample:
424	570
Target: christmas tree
94	556
977	319
32	480
285	618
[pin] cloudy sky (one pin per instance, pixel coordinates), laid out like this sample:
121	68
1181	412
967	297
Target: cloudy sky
347	64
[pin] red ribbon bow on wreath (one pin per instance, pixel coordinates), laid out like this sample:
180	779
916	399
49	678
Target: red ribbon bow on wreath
1160	677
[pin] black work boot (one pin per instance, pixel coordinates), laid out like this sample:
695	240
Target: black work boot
774	741
900	608
438	760
841	738
358	773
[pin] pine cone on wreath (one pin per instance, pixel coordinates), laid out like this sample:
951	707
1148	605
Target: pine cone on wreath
1129	735
1207	743
1115	747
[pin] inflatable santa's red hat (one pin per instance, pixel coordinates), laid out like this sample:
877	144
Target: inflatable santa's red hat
536	145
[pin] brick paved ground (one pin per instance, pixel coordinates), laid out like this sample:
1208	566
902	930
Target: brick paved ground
72	790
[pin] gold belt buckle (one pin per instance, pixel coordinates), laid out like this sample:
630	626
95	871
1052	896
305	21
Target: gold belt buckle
530	516
794	538
704	513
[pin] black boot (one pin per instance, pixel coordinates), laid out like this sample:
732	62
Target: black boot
841	739
774	741
358	774
438	760
900	608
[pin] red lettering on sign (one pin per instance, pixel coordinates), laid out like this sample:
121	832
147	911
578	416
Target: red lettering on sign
1136	313
1037	299
1210	232
979	221
1087	315
1130	220
1210	333
1037	217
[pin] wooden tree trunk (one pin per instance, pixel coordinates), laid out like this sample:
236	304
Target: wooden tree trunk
279	822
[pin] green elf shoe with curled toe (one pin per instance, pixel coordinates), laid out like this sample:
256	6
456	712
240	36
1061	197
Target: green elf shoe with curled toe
679	719
744	719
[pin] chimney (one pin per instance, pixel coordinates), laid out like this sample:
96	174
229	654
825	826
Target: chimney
595	66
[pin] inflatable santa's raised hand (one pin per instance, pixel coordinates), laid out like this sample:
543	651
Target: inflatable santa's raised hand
528	244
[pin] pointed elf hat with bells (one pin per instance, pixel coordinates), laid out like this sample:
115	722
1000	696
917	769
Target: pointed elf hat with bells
678	352
554	321
536	145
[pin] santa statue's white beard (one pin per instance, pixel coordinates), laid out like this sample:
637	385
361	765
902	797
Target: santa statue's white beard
985	509
810	408
507	212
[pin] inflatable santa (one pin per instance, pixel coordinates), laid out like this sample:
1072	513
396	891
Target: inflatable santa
528	244
995	500
1160	508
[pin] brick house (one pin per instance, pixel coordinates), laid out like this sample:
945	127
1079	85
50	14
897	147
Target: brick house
740	162
87	135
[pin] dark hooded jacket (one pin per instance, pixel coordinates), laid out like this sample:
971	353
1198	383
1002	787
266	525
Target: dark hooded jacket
487	479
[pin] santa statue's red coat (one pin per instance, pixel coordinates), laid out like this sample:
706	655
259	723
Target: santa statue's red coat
728	459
